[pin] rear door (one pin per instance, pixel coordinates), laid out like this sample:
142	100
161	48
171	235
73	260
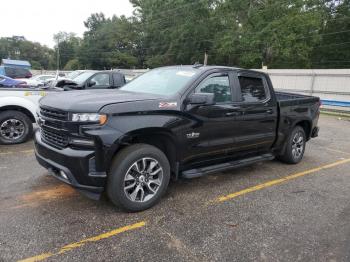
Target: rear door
118	80
256	118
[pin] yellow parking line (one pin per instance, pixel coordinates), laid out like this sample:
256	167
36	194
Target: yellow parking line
84	241
22	151
336	150
27	151
279	181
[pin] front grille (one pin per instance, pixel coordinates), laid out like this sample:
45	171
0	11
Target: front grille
53	113
54	124
54	139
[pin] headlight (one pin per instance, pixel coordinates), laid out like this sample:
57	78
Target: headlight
89	117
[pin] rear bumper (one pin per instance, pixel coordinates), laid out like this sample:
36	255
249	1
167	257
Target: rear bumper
73	167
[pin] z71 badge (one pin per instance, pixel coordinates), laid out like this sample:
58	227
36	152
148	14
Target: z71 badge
192	135
167	104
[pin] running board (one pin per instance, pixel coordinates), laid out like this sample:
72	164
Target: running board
198	172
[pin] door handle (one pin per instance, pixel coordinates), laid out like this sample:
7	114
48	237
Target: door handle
233	113
269	111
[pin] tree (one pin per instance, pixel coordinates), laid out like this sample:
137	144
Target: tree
110	43
332	51
175	31
68	45
72	64
18	48
244	33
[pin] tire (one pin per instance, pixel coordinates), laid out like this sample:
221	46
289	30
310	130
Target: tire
295	147
15	127
127	175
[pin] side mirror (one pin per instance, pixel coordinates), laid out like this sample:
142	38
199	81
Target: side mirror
201	99
91	83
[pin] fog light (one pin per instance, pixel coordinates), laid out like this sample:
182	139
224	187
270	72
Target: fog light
62	174
82	142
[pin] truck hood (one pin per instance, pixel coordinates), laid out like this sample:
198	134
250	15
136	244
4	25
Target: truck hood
92	100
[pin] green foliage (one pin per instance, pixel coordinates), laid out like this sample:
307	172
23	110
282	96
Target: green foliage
36	65
68	45
38	55
244	33
72	64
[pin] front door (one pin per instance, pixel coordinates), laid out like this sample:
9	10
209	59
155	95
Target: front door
99	81
209	134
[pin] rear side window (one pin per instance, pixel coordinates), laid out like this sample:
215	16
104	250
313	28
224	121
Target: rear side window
252	89
14	72
118	79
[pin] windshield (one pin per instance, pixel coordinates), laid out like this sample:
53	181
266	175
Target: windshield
162	81
74	74
83	77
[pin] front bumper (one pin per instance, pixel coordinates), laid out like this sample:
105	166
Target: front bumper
315	131
78	167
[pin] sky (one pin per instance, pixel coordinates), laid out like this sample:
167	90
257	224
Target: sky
39	20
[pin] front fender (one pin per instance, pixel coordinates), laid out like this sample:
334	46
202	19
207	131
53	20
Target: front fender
30	105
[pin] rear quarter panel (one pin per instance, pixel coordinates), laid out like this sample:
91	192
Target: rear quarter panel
292	112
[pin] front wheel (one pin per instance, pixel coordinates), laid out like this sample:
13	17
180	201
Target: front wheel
139	177
295	146
15	127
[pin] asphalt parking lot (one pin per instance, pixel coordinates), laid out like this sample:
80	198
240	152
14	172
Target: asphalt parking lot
265	212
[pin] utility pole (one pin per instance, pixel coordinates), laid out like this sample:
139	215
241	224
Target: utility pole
58	54
205	58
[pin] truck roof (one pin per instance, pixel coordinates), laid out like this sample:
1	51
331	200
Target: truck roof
211	67
201	67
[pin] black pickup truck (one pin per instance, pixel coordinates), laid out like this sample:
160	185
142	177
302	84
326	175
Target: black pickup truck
179	121
90	79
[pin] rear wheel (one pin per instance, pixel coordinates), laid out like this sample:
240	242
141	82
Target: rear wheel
139	177
295	146
15	127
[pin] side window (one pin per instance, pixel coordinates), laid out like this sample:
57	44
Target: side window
99	81
219	86
252	89
10	72
119	80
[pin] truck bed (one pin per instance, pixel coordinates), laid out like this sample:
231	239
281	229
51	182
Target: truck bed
290	99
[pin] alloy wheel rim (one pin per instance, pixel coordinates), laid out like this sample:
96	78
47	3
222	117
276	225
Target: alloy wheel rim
12	129
297	145
143	180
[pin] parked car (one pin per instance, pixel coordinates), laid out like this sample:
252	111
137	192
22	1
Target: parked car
93	80
9	82
38	80
61	77
181	121
15	72
18	108
75	73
